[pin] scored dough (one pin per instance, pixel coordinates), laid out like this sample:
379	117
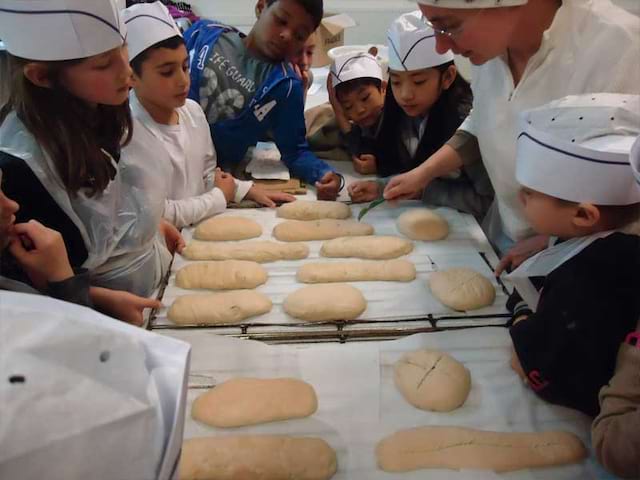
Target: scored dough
215	308
432	380
227	228
325	229
382	247
313	210
387	270
223	275
462	289
465	448
257	457
256	251
422	224
323	303
249	401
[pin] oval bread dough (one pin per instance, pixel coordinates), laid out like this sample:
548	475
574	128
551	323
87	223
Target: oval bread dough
313	210
223	275
459	448
323	303
301	231
227	228
379	247
256	251
257	457
422	224
432	380
387	270
216	308
462	289
249	401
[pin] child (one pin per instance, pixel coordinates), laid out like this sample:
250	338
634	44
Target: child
60	138
356	93
247	91
426	103
573	165
165	117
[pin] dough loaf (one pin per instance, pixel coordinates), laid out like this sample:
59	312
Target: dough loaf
227	228
248	401
422	224
465	448
301	231
223	275
369	247
323	303
257	457
432	380
386	270
313	210
462	289
256	251
215	308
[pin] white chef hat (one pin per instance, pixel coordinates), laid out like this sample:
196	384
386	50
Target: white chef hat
412	44
472	3
147	24
577	148
354	65
634	158
60	29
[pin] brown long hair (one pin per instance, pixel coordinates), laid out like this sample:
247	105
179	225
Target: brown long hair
70	131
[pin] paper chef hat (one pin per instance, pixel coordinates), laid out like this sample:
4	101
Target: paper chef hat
412	44
577	148
60	29
352	66
472	3
147	24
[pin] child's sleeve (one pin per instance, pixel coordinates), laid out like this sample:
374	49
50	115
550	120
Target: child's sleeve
188	211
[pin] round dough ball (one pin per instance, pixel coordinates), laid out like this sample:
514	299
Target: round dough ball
325	302
462	289
422	224
227	228
432	380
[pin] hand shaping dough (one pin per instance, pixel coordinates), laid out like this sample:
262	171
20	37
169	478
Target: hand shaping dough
300	231
387	270
227	228
215	308
223	275
422	224
248	401
432	380
313	210
257	251
369	247
257	457
462	289
323	303
465	448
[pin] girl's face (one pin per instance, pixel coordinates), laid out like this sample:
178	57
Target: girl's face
416	91
103	79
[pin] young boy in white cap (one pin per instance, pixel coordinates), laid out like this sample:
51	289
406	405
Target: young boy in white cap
577	186
165	116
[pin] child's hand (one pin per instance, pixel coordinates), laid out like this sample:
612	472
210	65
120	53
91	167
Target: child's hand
521	251
364	191
122	305
517	366
268	199
365	164
225	182
404	186
303	75
341	117
46	259
172	237
328	186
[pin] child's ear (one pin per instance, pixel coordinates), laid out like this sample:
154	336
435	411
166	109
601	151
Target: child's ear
259	7
38	74
383	87
586	215
449	76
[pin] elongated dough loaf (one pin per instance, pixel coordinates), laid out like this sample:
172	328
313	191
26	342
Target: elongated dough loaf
300	231
257	457
465	448
223	275
323	303
379	247
215	308
227	228
249	401
386	270
462	289
422	224
313	210
255	251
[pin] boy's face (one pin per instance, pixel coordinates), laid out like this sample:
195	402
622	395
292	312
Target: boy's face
282	30
416	91
304	58
363	105
164	81
8	208
547	215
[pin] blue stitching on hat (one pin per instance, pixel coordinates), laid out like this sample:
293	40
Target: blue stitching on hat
149	16
414	46
397	54
608	162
